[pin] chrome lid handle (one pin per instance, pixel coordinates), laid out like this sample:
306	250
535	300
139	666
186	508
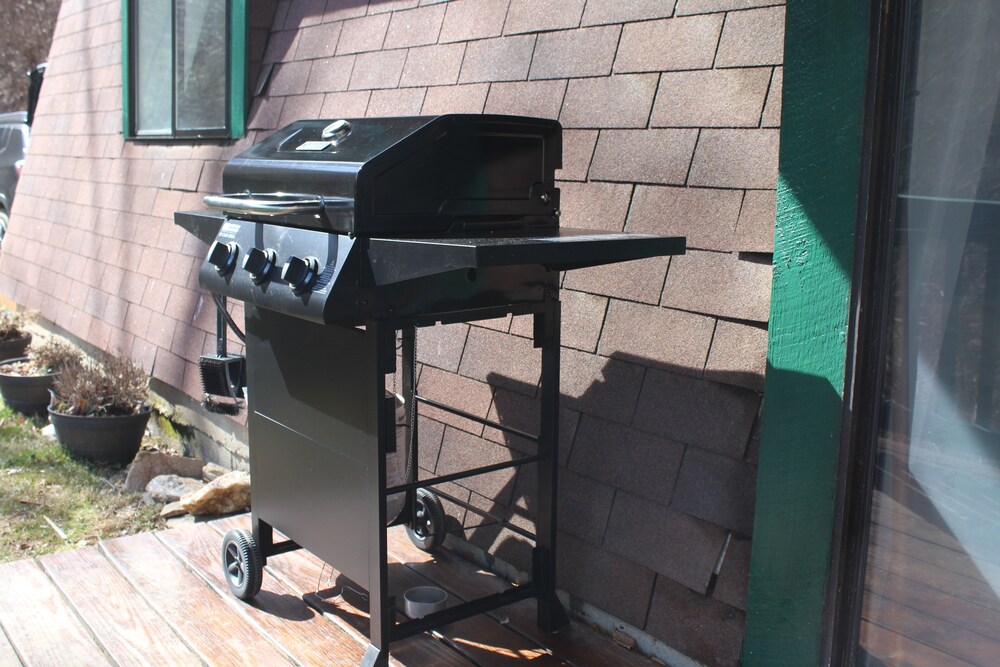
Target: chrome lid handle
276	203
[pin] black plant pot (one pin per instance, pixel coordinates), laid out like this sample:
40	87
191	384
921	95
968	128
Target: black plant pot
28	394
104	439
15	347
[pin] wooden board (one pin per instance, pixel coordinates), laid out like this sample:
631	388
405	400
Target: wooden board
939	604
128	629
481	639
932	576
311	639
306	575
39	623
921	627
895	649
221	634
577	643
8	657
886	510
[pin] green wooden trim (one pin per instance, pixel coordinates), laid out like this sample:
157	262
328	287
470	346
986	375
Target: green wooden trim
238	72
238	67
126	74
826	50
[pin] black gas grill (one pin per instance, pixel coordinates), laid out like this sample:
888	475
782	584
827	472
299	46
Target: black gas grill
340	234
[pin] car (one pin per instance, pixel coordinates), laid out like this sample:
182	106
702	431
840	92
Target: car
13	144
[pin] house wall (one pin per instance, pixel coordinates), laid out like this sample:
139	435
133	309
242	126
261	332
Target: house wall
670	113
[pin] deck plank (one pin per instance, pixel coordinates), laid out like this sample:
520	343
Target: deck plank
894	649
306	634
8	657
889	512
127	628
965	588
304	573
921	627
45	631
577	643
901	541
940	604
215	629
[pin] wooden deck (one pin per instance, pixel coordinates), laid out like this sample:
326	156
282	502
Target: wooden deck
927	603
160	599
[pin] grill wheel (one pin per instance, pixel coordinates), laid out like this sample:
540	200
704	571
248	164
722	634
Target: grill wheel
242	565
427	530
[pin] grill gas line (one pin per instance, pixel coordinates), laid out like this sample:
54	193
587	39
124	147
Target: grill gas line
338	234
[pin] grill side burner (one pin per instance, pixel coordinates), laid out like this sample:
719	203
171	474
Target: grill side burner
413	222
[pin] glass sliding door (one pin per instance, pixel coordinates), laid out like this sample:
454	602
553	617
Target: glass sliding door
932	580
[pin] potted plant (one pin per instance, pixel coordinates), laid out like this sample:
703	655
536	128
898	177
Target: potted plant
99	409
25	381
14	337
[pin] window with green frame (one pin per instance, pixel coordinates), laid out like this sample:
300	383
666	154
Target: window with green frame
184	68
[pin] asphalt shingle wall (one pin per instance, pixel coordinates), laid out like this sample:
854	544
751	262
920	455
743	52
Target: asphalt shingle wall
671	113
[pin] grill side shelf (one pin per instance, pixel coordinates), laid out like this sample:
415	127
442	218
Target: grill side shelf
397	260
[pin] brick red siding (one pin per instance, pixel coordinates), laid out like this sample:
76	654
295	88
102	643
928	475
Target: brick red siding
670	110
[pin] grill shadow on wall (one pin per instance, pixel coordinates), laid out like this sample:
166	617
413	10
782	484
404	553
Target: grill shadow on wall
656	493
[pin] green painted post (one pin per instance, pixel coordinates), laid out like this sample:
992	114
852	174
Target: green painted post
238	69
126	77
826	50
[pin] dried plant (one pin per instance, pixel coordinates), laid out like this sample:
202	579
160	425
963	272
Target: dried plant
51	356
13	325
109	387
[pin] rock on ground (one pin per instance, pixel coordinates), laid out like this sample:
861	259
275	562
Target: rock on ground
212	471
148	465
224	495
171	488
171	510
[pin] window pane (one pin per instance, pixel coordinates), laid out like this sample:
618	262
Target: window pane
201	64
152	61
932	590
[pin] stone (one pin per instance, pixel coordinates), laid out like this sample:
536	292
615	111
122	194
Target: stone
224	495
148	465
171	488
49	432
212	471
171	510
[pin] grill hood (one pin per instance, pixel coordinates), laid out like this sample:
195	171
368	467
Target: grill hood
449	175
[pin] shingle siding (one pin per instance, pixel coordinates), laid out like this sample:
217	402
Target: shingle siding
670	112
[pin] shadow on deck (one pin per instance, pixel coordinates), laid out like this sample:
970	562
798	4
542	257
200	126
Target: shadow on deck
159	598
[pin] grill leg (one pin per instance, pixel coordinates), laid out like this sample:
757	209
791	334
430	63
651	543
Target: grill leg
551	615
380	607
264	534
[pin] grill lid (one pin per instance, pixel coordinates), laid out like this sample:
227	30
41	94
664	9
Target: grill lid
401	177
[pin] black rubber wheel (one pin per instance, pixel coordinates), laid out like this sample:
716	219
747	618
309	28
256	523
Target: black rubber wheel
242	565
427	530
4	219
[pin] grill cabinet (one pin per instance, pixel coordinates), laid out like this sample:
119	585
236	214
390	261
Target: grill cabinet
337	234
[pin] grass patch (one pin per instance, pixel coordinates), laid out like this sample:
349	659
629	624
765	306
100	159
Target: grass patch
39	479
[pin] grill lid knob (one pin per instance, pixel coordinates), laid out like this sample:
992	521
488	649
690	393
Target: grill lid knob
223	256
259	263
300	272
338	129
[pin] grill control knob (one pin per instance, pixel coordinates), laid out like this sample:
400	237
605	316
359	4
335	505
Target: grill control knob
259	263
300	273
223	256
